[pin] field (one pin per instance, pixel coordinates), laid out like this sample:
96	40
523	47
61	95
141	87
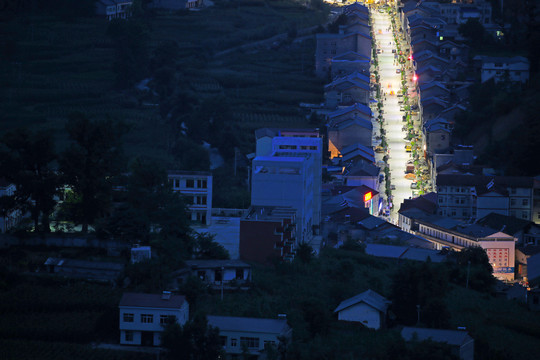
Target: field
55	67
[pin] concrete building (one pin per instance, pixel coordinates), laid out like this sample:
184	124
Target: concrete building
216	273
367	308
196	187
331	45
268	233
347	90
142	316
513	69
473	197
238	334
499	247
287	181
264	136
114	9
461	343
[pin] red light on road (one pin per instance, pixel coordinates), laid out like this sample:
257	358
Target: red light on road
415	77
410	57
367	196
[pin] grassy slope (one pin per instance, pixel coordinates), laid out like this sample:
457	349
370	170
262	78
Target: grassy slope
62	67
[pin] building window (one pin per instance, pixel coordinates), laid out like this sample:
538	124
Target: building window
250	342
190	183
223	341
269	343
240	274
201	274
512	202
128	335
233	342
147	318
128	317
524	215
202	184
167	319
525	202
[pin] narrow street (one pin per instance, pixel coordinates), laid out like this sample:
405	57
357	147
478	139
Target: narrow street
390	80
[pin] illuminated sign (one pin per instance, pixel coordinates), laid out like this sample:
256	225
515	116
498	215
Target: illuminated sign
367	196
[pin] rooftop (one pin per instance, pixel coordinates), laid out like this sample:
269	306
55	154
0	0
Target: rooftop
245	324
152	300
369	297
451	337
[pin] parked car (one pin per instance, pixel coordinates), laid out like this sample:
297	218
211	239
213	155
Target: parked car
392	187
414	185
379	149
408	148
398	71
381	178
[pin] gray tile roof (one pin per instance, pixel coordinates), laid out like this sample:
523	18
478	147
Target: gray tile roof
152	301
369	297
451	337
246	324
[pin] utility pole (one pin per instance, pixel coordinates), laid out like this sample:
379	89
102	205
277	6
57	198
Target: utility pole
222	277
468	271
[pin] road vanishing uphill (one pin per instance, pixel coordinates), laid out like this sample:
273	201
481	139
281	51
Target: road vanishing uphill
390	81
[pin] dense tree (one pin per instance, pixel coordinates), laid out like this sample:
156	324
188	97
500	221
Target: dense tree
473	263
94	156
196	340
421	285
474	31
131	62
207	248
26	161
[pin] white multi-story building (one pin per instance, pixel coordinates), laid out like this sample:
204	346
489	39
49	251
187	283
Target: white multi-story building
287	181
196	186
143	316
499	247
473	197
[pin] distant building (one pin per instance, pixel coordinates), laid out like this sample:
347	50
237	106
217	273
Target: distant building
499	247
84	269
473	197
140	253
367	308
216	273
114	9
461	343
143	316
196	187
251	334
513	69
268	233
288	181
331	45
12	217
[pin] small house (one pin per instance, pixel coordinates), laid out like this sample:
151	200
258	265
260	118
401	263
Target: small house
461	343
367	308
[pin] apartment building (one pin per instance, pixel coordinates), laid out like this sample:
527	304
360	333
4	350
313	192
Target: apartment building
473	197
196	187
288	181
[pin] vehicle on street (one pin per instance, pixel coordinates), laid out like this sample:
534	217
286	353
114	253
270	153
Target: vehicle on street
414	185
408	148
409	169
392	187
381	178
398	71
379	149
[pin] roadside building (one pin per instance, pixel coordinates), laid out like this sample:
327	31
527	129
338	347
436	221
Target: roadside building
461	343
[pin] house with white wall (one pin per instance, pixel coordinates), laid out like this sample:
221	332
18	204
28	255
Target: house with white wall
253	334
143	316
196	187
368	308
11	217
